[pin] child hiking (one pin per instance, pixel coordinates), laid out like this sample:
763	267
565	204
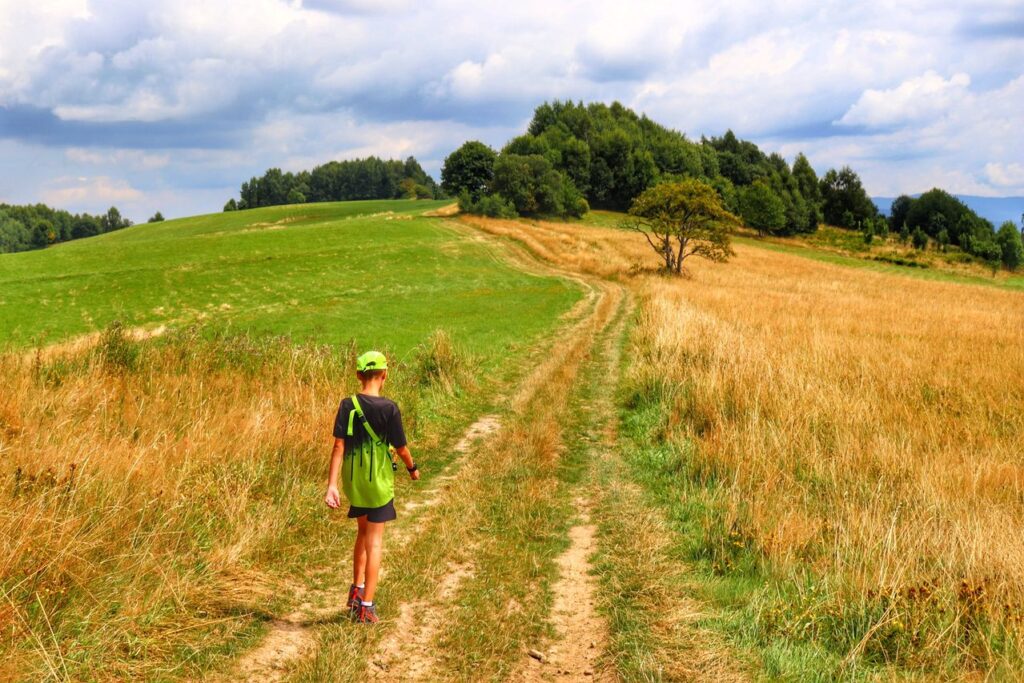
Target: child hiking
366	428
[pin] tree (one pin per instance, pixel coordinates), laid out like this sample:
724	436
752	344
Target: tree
1010	246
295	196
683	219
156	218
809	188
991	254
898	211
762	209
806	179
470	168
919	239
113	220
231	205
844	200
534	187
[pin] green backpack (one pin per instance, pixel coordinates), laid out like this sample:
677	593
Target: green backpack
368	478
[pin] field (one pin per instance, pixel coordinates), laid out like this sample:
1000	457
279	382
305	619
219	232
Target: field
839	449
781	468
307	271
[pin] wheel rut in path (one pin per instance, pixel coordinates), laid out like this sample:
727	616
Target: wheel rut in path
582	632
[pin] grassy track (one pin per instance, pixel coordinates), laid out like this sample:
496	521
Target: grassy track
376	272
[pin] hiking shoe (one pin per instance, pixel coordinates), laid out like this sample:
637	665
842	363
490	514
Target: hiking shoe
355	595
367	614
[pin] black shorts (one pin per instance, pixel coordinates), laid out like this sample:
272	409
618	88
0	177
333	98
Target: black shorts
385	513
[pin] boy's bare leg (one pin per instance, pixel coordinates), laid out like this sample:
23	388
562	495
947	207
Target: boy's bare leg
374	542
359	553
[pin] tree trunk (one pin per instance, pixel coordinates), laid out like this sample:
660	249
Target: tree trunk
681	256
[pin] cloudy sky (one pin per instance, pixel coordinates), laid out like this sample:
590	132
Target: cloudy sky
169	105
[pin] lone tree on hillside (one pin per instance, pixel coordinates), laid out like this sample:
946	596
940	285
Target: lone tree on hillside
683	219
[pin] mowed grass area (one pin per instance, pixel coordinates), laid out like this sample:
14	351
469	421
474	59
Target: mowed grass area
375	271
839	452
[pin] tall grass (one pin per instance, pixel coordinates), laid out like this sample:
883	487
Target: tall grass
848	445
867	444
155	496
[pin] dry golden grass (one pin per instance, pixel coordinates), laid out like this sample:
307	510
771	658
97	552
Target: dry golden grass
153	495
864	430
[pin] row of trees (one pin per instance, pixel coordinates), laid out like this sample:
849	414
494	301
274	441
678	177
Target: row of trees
36	226
370	178
940	218
607	155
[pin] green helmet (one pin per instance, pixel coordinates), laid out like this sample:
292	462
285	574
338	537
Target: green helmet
371	360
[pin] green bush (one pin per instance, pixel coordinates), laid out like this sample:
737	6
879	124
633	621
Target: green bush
491	205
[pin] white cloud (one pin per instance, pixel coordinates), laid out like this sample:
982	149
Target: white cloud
89	190
1005	175
924	97
918	93
130	158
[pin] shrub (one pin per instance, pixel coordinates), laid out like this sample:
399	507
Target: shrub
440	364
491	205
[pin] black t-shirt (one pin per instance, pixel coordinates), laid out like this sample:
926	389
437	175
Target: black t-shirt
382	414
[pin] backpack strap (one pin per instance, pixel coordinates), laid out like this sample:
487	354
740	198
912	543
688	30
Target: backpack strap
358	410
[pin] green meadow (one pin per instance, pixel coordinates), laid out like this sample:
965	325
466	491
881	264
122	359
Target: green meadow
377	272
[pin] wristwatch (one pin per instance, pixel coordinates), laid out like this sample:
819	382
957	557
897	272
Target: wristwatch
413	468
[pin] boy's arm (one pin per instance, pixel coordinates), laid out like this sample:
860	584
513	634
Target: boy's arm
333	498
406	457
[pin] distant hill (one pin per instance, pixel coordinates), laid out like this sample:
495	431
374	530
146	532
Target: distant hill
996	209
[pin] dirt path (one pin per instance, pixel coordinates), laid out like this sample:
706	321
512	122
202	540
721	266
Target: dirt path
405	649
582	632
292	636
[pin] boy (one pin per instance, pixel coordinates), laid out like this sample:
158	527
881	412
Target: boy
366	426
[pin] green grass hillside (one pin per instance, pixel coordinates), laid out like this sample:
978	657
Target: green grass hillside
375	271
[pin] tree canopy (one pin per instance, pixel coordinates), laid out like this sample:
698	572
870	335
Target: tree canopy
610	154
844	201
35	226
682	219
938	215
1011	250
335	181
468	169
762	209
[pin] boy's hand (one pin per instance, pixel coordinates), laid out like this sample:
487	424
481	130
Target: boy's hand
333	499
415	475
